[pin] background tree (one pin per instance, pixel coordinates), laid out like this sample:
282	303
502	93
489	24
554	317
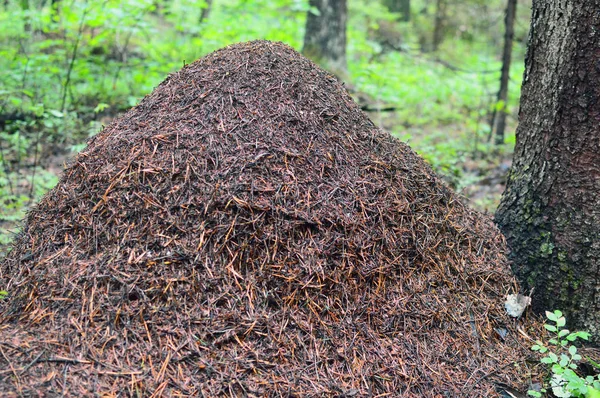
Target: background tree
438	28
400	6
499	115
205	10
550	211
325	35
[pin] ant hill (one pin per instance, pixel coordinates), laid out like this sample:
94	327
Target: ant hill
246	230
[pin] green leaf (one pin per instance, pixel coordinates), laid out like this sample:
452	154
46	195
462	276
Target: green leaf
557	369
564	360
3	294
55	113
534	393
500	105
100	107
572	350
569	375
315	11
575	383
550	328
563	333
592	393
551	316
573	336
560	322
583	335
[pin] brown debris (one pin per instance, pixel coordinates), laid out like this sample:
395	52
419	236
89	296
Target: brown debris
247	231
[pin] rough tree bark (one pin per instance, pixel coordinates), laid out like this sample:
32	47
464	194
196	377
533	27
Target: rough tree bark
325	37
550	211
499	116
399	6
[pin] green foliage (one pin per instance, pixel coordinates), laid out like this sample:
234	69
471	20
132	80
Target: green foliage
562	356
15	204
442	112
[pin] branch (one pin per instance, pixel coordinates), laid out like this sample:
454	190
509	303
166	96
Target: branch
366	108
73	57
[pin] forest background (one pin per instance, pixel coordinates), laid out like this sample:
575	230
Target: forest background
431	77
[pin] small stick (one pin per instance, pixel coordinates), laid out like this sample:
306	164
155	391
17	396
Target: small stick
32	362
12	369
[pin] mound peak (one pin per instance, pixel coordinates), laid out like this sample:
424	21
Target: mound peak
247	230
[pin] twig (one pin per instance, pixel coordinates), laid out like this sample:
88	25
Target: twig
73	57
32	363
64	391
12	368
367	108
123	51
64	360
442	62
5	163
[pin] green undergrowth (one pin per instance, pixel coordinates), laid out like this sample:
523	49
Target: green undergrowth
64	73
561	355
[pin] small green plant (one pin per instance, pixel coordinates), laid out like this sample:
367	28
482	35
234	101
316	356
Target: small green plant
562	355
3	294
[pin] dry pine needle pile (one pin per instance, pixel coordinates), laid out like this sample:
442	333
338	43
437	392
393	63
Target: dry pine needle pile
247	231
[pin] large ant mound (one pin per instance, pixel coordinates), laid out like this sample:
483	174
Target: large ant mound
247	231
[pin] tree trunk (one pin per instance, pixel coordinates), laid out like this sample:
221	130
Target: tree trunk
399	6
550	211
325	37
499	116
438	28
205	11
161	7
27	23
